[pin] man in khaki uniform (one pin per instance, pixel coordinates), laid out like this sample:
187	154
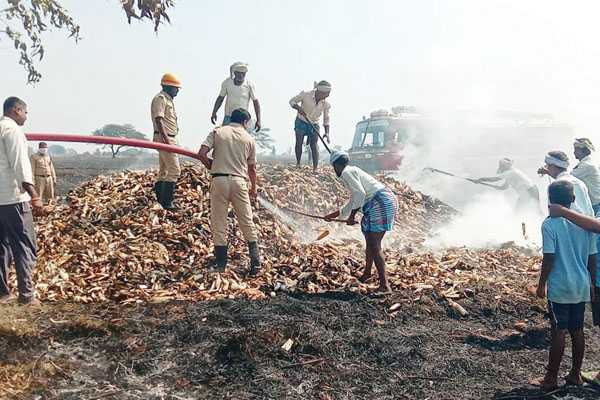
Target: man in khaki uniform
43	173
164	120
232	165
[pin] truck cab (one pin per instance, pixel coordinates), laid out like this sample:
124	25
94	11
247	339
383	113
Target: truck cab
379	141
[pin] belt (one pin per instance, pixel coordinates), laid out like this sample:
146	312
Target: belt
43	176
227	175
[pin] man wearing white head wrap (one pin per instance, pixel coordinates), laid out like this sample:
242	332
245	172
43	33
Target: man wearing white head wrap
587	170
310	106
238	92
556	166
378	205
528	201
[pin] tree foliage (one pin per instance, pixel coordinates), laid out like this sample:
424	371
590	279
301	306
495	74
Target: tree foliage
115	130
263	139
24	23
57	149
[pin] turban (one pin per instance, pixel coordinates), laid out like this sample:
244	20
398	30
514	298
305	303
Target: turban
323	86
550	160
239	67
584	143
336	155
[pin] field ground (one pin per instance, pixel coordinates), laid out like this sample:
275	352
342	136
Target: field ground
344	347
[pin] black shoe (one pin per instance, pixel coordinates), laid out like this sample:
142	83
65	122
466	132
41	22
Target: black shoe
158	189
167	193
254	252
220	262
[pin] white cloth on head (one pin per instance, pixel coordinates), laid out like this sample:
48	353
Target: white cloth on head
588	172
556	162
517	180
322	86
313	110
584	143
237	96
336	155
15	167
362	186
582	203
238	67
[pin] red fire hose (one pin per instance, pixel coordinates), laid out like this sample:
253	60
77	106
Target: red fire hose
62	137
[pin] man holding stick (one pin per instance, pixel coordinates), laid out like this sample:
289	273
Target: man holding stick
310	106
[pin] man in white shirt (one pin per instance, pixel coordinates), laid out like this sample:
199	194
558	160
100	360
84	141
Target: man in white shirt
557	163
17	197
587	171
237	92
529	195
310	106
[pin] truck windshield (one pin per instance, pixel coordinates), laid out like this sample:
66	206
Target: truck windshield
371	133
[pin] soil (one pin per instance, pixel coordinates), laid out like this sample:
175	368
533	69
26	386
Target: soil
72	170
345	346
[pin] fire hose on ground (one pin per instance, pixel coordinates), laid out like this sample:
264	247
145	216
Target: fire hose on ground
117	141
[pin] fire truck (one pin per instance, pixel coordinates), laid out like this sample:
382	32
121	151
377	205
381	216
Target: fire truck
379	140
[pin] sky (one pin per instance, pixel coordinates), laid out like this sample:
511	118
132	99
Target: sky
531	55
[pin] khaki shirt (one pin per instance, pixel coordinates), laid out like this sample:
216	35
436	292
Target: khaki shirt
163	106
234	149
42	165
312	109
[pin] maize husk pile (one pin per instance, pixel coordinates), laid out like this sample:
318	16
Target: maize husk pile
111	242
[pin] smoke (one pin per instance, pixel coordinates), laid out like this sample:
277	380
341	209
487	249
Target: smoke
469	144
488	221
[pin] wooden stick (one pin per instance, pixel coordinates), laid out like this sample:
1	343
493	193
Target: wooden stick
439	171
311	215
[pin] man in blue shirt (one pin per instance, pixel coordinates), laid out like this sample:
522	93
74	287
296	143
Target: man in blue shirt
568	268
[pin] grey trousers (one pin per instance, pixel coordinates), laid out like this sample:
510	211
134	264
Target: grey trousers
17	241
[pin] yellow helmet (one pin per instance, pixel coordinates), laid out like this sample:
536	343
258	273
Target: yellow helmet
169	79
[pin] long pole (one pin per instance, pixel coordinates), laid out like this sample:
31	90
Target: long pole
311	215
316	131
439	171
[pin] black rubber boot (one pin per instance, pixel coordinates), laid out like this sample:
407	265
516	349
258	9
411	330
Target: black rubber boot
158	189
254	252
220	262
166	196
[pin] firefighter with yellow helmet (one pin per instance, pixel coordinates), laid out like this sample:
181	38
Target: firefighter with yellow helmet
164	121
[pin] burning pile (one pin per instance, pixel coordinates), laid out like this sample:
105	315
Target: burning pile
112	242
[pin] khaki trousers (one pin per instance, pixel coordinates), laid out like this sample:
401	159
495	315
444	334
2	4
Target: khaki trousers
168	163
234	190
44	186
